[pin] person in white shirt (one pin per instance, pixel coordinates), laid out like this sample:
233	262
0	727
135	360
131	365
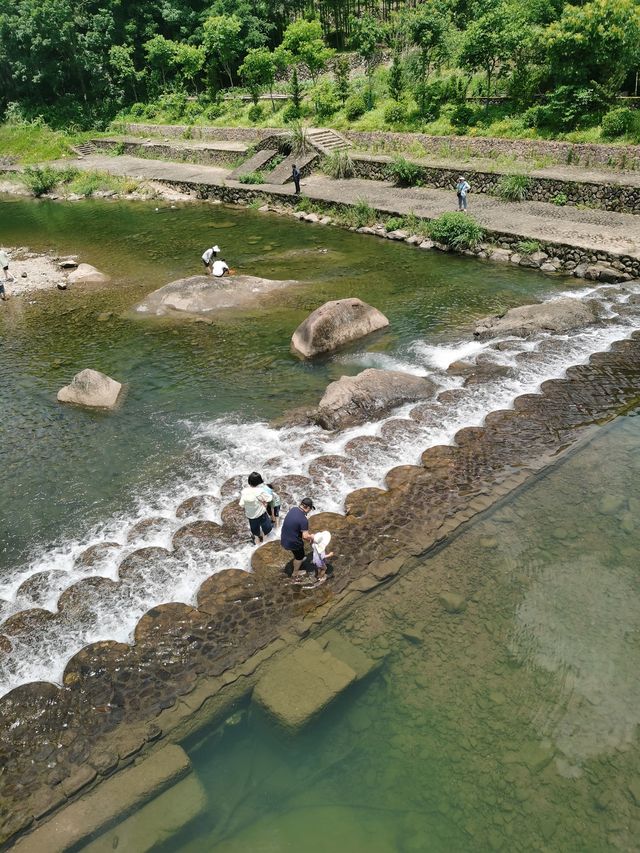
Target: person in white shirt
4	264
255	498
220	268
209	256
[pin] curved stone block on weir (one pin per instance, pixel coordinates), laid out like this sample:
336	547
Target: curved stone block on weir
226	586
269	560
440	456
332	521
158	526
362	446
403	476
147	565
326	467
28	622
197	505
199	535
94	660
402	430
363	501
235	521
77	600
429	414
233	486
38	588
166	621
468	436
293	487
96	554
25	703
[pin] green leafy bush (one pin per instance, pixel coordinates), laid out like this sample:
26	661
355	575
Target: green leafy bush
338	165
560	199
291	114
457	230
360	214
570	107
393	223
251	178
41	180
528	247
324	98
395	114
462	116
618	122
404	173
355	106
255	112
513	187
531	117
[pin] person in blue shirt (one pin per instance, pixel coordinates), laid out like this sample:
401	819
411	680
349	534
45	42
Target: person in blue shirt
295	532
462	188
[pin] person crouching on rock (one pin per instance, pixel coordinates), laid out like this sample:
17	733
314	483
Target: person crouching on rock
255	499
209	256
295	532
220	268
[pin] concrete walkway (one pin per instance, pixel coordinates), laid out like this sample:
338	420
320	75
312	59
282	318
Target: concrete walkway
595	230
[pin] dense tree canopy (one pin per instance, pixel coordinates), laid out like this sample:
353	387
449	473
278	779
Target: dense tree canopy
83	60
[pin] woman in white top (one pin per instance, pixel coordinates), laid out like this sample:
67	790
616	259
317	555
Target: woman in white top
209	256
220	268
255	498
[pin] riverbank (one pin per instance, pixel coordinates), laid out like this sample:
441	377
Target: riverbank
33	272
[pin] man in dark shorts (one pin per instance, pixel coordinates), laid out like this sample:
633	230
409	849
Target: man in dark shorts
295	532
296	175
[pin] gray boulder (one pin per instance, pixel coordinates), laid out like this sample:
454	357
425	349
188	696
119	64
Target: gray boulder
91	388
371	394
558	315
334	324
86	274
206	295
608	275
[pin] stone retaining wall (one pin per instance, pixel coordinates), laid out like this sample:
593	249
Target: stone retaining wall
196	131
575	153
620	198
167	151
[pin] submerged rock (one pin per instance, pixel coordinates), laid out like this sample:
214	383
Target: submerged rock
91	388
334	324
558	315
86	274
205	294
371	394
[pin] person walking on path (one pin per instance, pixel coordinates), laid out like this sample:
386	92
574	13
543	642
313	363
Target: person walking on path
295	532
255	498
208	257
4	263
295	174
462	188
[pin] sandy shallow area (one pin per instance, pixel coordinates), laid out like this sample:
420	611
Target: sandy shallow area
32	272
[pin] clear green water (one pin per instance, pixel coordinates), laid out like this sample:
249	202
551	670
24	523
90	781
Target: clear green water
64	469
512	726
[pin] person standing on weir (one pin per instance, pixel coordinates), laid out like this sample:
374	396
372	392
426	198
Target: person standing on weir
295	174
295	532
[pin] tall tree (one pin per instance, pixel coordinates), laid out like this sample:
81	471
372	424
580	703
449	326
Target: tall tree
257	71
367	35
303	44
488	43
222	43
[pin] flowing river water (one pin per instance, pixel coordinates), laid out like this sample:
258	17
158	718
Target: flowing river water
444	744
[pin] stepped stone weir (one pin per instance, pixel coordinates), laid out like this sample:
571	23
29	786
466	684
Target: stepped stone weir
255	162
111	689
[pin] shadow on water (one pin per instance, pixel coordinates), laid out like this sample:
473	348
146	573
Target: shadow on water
509	726
64	469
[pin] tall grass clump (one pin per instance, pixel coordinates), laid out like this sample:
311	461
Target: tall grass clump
338	165
251	178
513	187
404	173
41	179
457	230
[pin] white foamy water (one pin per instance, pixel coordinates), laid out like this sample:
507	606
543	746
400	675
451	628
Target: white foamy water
227	447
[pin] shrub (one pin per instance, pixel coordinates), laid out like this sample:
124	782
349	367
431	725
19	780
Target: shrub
291	113
513	187
404	173
560	199
298	140
360	214
41	179
338	165
569	107
214	110
528	247
618	122
255	113
395	114
251	178
324	98
393	223
531	116
457	230
355	106
462	116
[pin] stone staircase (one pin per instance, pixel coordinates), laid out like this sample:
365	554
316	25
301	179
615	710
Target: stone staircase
85	149
282	172
327	141
255	162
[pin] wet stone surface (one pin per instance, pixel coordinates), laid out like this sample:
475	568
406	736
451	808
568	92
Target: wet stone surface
110	689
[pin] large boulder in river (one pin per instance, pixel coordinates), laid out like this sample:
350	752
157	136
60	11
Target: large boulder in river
91	388
86	274
334	324
371	394
557	315
202	295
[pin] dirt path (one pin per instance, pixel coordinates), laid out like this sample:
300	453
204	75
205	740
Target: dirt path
616	233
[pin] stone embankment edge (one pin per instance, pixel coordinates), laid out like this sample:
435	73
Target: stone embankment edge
101	803
566	255
575	153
